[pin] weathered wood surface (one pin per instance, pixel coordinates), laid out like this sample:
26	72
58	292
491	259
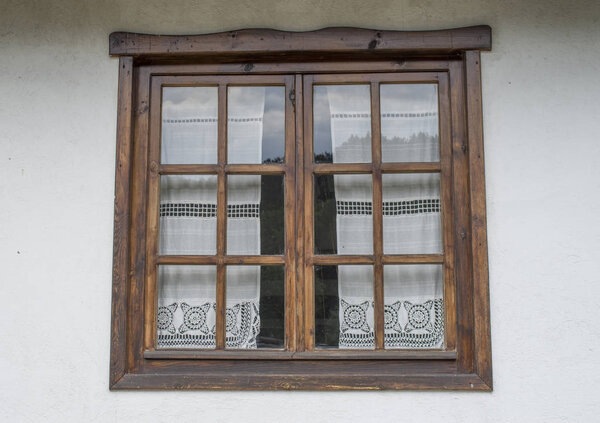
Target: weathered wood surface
118	343
327	40
466	362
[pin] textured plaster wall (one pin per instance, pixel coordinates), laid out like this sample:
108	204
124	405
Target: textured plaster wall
57	148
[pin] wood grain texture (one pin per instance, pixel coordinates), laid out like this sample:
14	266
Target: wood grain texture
461	213
235	259
137	257
414	167
370	78
378	306
206	67
269	354
121	243
414	259
290	206
153	212
221	219
329	381
334	259
300	175
308	312
342	168
356	168
446	194
188	169
481	296
328	40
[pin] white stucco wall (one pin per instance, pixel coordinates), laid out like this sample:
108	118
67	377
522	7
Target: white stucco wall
541	95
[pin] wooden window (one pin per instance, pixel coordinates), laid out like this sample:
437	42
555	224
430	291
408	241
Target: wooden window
316	124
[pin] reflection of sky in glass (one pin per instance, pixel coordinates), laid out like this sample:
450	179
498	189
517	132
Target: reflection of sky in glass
404	138
243	102
408	98
273	141
189	129
189	102
202	102
409	122
352	136
321	125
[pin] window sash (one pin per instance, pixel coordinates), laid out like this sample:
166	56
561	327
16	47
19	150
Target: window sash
299	285
222	170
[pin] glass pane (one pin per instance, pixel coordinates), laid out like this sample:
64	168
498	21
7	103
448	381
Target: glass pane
414	306
255	124
189	125
343	214
411	214
344	307
409	123
186	306
342	123
255	221
255	307
188	214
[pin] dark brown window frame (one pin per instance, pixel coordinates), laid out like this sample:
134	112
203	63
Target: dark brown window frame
450	58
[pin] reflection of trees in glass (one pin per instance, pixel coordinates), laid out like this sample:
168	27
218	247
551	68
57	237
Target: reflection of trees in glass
271	215
274	160
350	143
325	215
415	138
327	325
271	277
354	149
357	140
325	157
272	329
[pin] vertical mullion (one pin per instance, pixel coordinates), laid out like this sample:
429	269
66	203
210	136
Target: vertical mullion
377	216
308	279
290	217
221	216
299	162
446	210
152	218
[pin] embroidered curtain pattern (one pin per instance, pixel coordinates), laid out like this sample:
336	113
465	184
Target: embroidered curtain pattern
187	294
413	297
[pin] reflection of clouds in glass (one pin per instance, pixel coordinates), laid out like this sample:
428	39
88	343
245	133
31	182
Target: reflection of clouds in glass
243	99
321	125
408	98
202	103
189	130
350	107
274	98
342	121
409	122
245	112
273	117
349	98
189	102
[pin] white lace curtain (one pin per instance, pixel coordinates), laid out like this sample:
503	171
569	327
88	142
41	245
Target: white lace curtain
413	294
187	294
